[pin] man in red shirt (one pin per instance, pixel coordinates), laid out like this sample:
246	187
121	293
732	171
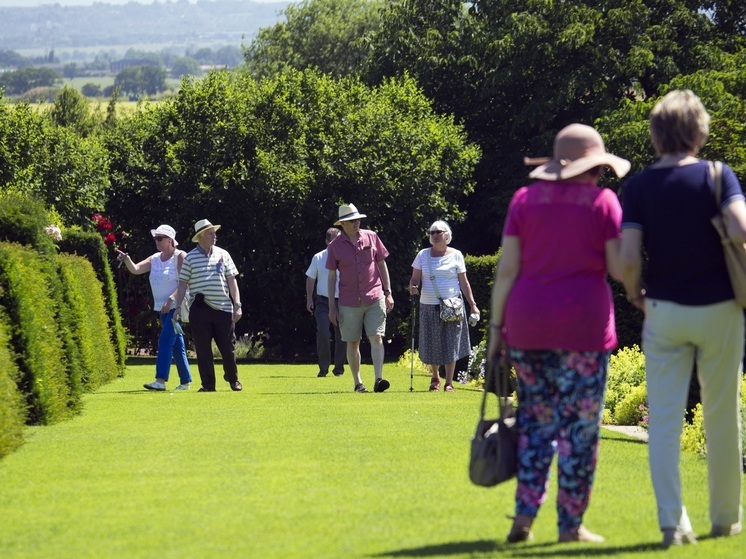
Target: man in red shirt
359	257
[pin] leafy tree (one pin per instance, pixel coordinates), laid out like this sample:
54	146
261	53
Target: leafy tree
185	66
91	90
515	72
52	163
271	162
20	81
153	79
323	34
72	110
70	70
11	59
228	56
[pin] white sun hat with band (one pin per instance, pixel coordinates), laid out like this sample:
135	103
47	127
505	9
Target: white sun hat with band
577	148
348	212
201	226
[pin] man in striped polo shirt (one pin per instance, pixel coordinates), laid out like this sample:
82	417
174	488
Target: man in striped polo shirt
210	274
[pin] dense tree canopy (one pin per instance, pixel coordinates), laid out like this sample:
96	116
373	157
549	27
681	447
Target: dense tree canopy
323	34
52	163
271	161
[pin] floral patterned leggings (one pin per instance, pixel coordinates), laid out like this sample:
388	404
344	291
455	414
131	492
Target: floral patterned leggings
560	407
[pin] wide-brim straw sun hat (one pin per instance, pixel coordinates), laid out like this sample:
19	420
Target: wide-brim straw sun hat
577	148
167	231
348	212
201	226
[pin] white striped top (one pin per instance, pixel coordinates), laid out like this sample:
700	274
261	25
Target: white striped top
208	275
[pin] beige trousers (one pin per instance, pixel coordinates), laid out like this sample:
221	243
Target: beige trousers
675	337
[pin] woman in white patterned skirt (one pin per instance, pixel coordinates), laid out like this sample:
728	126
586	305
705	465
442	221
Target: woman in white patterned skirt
442	272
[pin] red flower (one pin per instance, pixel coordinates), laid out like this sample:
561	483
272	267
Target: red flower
110	239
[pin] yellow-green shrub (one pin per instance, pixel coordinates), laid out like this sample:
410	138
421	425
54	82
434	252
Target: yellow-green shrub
626	371
693	435
84	298
31	310
632	409
91	247
12	407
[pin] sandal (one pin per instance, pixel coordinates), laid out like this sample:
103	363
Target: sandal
434	385
449	387
521	530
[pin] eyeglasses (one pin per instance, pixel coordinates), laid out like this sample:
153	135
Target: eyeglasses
436	232
159	239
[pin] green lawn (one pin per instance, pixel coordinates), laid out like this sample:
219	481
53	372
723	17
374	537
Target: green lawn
299	466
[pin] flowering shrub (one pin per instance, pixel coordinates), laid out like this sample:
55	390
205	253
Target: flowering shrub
477	362
54	232
112	235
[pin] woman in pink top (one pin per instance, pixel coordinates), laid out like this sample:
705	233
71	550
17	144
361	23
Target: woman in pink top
553	309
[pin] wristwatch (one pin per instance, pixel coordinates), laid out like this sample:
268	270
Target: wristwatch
387	292
237	305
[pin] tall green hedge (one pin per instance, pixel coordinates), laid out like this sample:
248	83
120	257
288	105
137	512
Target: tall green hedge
481	273
91	247
12	405
60	327
35	335
87	308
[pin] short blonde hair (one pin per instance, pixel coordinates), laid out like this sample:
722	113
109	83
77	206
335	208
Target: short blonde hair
679	123
441	225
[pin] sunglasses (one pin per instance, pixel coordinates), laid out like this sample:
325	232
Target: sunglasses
436	232
159	239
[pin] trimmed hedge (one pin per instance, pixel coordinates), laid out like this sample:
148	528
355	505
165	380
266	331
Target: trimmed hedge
12	406
35	335
92	248
61	332
85	301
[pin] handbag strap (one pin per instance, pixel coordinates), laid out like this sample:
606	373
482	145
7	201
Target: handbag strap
432	274
716	172
501	368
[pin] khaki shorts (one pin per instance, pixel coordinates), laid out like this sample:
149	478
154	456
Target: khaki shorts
352	319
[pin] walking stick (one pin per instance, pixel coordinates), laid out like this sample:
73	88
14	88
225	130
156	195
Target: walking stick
411	349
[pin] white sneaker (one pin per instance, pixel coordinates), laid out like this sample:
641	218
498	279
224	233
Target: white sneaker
155	385
183	387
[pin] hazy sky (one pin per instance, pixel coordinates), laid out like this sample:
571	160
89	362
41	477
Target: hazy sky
34	3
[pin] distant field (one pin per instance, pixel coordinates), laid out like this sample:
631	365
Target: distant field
106	81
124	108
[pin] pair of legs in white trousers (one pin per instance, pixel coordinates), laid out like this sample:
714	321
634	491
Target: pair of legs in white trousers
675	337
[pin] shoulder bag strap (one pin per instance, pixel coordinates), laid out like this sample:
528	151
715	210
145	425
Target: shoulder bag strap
716	172
432	275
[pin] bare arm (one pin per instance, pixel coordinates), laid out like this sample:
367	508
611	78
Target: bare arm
180	294
383	269
735	218
466	290
507	272
331	285
310	282
631	265
141	267
414	281
612	250
236	296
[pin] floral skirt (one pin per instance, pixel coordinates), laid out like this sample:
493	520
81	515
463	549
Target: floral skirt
442	342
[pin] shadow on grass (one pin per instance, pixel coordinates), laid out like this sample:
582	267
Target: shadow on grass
622	439
524	550
444	549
